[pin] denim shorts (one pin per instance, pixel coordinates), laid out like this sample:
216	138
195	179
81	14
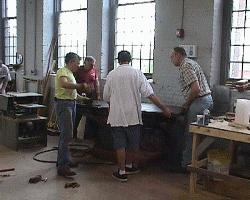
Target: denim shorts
126	137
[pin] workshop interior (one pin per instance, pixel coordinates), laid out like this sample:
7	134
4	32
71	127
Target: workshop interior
122	99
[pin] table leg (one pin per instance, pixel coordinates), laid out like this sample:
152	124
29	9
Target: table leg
193	174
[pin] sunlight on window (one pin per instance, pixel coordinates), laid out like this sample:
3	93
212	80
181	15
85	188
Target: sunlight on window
135	24
10	32
72	5
240	40
11	8
72	33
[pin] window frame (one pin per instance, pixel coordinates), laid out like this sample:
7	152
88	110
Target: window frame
5	20
131	46
57	32
230	12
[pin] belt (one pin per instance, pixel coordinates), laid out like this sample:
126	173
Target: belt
56	99
204	95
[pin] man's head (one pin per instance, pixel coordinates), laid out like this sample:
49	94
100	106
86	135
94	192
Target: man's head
72	61
124	57
178	55
89	62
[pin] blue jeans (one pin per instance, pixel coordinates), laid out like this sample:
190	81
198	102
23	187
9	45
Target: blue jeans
196	108
65	112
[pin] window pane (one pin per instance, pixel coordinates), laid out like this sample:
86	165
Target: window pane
135	26
247	54
132	1
239	5
247	36
10	40
246	71
11	8
71	5
236	53
145	52
145	66
238	19
72	34
247	19
235	70
248	4
135	52
136	63
237	36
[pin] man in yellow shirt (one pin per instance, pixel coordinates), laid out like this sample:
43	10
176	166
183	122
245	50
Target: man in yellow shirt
65	100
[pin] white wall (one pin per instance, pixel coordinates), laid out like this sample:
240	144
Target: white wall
199	30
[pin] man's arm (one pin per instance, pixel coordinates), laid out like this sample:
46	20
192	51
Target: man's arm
194	93
68	85
97	89
156	100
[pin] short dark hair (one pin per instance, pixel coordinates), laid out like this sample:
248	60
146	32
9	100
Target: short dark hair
71	56
124	56
180	50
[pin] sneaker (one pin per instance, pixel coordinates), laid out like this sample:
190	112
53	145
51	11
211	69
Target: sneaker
120	177
132	170
65	172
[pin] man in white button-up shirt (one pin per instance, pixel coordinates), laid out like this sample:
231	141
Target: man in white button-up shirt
123	89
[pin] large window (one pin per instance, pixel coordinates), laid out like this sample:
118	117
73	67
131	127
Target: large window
72	29
240	40
10	31
135	24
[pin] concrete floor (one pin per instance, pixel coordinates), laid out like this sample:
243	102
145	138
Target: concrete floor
96	182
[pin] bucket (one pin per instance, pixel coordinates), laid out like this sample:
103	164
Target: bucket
219	161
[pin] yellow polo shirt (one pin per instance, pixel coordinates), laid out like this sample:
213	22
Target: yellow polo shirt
60	92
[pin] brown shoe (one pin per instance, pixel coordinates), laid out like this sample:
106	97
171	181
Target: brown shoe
65	172
73	164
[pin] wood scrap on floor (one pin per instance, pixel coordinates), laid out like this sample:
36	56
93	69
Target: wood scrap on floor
71	185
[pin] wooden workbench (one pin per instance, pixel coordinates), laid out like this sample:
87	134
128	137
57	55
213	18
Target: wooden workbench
203	137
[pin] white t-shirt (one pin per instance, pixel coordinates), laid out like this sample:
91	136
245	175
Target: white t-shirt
123	89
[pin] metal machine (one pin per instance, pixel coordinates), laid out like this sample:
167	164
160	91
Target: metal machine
19	121
17	104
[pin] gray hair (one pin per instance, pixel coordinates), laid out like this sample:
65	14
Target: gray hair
89	59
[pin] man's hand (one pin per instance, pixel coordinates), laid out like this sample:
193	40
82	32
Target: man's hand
83	88
184	108
167	112
98	97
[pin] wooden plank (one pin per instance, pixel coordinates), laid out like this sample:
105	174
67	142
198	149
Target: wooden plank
193	175
218	175
220	133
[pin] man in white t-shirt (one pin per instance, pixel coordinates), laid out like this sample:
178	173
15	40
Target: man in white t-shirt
123	90
4	77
